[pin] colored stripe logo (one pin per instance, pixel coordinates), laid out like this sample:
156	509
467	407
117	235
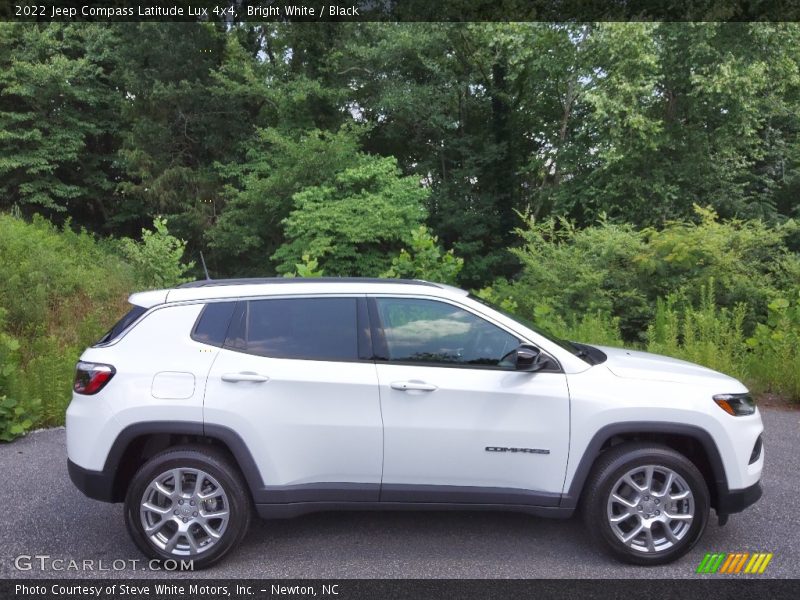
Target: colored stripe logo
735	562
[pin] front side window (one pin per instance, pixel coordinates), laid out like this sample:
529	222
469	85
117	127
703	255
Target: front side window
428	331
299	328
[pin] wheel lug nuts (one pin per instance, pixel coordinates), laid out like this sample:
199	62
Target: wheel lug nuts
176	512
194	514
180	501
658	512
185	520
192	502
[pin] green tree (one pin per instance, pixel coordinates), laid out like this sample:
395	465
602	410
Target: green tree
689	113
59	125
259	194
193	93
355	224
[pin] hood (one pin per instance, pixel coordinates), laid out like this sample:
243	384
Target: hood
632	364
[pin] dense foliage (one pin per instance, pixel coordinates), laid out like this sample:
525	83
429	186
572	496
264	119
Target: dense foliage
623	271
220	128
627	183
59	291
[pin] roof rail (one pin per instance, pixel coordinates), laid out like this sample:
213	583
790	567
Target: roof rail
263	280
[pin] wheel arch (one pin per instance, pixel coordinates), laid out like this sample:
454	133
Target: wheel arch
138	442
693	442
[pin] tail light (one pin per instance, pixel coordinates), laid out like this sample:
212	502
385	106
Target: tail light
90	378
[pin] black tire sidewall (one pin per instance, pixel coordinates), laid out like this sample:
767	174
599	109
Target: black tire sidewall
213	465
614	469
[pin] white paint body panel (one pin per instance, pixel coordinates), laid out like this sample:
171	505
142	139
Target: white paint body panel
440	437
312	421
160	342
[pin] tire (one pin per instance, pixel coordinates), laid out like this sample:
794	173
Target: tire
675	517
201	524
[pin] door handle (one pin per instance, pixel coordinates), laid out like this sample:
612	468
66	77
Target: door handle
405	386
244	376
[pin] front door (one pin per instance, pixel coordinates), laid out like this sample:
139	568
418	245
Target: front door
459	424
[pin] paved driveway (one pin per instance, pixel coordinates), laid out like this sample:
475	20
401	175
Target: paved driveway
43	514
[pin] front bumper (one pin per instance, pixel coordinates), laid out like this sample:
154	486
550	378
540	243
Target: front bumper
734	501
98	485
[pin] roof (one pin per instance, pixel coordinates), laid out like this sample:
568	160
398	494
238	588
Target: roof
242	288
274	280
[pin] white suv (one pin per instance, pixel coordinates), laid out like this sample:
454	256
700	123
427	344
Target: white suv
216	399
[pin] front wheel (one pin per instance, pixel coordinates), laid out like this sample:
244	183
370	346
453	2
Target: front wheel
646	503
187	503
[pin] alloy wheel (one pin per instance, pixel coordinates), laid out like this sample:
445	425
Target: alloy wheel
651	508
184	511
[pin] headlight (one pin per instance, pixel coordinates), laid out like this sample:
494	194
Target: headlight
738	405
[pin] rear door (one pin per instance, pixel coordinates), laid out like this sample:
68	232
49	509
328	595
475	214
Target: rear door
295	381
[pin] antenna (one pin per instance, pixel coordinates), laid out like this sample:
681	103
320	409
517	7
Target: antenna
205	269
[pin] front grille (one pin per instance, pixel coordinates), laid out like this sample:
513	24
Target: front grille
756	453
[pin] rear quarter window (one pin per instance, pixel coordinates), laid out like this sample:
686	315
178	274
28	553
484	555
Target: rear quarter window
212	324
122	325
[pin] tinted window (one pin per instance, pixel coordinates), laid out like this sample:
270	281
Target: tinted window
119	328
427	331
302	328
212	325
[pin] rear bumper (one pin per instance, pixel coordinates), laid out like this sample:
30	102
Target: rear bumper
97	485
734	501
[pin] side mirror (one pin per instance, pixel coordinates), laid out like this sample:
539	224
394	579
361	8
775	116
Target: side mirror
528	359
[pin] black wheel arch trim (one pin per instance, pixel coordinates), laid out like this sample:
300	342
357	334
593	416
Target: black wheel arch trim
227	436
593	450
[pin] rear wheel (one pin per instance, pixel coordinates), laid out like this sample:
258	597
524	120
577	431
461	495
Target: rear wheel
188	503
646	503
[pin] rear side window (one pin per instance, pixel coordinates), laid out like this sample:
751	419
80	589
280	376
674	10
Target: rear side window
299	328
122	325
212	324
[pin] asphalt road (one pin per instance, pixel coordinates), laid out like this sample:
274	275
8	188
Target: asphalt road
43	514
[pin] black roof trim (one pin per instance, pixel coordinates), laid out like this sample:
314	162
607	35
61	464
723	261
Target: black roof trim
261	280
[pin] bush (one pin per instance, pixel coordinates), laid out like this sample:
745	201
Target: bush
775	359
425	260
704	334
622	272
51	280
596	327
157	258
16	418
61	290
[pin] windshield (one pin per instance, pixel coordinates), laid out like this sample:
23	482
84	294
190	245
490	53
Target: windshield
569	346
